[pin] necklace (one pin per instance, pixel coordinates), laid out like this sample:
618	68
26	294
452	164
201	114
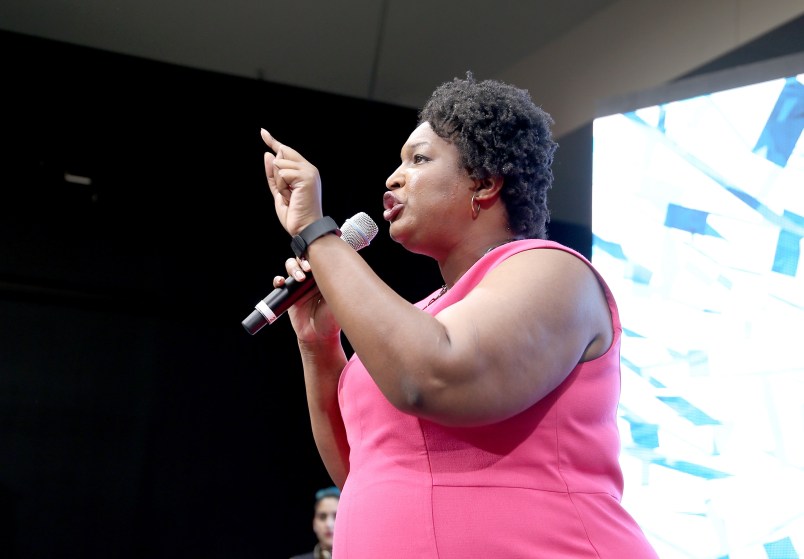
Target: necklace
445	288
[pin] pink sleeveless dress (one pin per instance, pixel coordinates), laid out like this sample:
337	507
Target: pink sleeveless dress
545	483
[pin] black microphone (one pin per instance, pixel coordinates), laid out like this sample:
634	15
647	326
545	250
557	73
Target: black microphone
358	231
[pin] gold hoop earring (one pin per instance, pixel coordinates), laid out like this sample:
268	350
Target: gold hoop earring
475	206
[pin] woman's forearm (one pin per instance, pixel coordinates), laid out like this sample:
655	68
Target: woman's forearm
323	363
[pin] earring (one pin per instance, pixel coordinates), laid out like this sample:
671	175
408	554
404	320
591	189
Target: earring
475	206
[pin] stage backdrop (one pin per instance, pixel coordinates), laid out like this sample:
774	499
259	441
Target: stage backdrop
698	217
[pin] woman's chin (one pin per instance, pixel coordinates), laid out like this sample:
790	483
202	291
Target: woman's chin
396	232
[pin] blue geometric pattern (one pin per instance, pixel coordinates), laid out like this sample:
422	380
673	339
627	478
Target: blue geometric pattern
784	124
688	219
694	415
698	221
788	248
781	549
690	468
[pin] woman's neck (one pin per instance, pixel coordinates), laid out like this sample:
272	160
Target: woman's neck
458	262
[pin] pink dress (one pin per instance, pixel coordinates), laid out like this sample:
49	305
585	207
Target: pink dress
545	483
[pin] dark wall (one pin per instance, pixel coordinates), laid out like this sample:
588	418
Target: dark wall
137	417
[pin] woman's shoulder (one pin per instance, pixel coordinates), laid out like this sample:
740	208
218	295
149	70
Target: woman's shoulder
506	251
525	256
521	245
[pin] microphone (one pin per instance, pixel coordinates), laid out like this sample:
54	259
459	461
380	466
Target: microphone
358	231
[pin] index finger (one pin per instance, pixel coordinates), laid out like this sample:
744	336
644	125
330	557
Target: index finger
270	141
282	150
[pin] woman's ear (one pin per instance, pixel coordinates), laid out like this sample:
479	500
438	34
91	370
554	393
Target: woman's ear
487	190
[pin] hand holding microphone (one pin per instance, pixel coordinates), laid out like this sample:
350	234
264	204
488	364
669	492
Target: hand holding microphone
358	231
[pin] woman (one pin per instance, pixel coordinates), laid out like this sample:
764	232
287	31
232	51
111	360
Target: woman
481	421
325	510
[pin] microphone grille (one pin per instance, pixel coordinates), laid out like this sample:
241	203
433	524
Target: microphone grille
359	230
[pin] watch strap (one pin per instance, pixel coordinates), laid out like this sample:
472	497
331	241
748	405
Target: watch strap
316	229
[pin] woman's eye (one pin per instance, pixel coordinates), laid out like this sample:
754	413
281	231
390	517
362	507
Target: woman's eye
419	158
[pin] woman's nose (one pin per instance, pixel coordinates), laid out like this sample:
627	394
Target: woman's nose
394	181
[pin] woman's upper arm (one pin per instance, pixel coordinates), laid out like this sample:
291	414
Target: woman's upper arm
516	336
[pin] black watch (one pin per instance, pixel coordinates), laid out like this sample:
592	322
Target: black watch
316	229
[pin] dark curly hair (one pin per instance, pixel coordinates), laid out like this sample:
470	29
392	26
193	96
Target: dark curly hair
499	132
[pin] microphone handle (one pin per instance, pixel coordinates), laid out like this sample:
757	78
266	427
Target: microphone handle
358	231
277	302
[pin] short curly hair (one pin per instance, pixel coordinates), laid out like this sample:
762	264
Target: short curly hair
499	132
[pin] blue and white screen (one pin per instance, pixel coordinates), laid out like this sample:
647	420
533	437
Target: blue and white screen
698	217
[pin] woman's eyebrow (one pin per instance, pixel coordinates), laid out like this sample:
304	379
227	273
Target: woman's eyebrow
410	147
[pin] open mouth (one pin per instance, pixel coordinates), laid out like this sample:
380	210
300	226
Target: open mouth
392	206
391	214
